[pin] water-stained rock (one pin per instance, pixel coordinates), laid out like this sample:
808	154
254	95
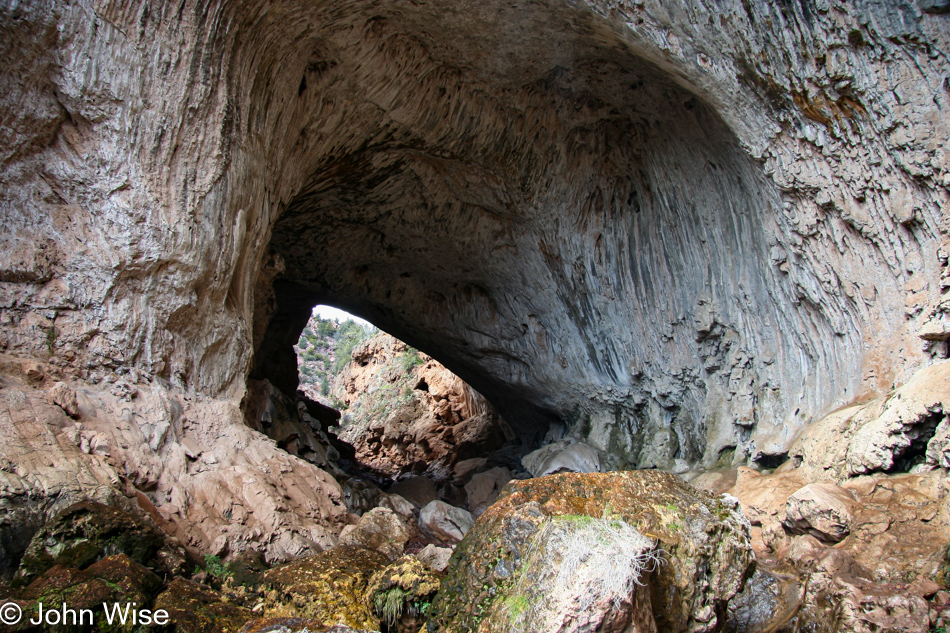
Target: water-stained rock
401	594
329	587
194	608
703	542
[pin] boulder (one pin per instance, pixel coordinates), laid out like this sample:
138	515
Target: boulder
419	491
462	471
823	510
63	396
692	552
380	529
483	488
328	587
565	455
399	505
445	522
194	608
402	593
114	579
88	531
435	557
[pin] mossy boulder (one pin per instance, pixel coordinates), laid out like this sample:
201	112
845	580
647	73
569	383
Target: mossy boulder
295	625
402	593
113	580
328	587
509	563
193	608
87	532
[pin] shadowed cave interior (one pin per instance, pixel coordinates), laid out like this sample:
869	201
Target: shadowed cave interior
573	233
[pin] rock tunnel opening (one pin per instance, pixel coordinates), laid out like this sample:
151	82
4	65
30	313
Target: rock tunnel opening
571	228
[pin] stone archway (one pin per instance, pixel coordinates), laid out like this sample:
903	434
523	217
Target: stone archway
682	233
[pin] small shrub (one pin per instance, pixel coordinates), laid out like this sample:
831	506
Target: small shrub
216	568
410	359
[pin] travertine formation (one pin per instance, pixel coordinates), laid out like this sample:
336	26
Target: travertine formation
654	219
406	413
680	230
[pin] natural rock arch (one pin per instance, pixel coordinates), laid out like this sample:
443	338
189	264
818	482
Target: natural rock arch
679	230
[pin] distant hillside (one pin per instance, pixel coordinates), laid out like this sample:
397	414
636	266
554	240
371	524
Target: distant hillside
323	350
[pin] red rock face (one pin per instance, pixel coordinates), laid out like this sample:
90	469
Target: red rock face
407	413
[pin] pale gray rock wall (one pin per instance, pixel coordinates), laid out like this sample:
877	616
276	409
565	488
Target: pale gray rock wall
679	227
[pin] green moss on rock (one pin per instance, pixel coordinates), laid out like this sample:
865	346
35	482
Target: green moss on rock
706	548
193	608
328	587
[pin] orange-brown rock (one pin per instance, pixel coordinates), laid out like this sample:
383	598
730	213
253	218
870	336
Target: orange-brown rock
408	413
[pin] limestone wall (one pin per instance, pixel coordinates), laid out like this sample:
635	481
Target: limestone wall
678	227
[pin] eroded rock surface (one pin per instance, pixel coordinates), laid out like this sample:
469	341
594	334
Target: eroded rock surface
684	236
407	413
189	462
706	555
847	551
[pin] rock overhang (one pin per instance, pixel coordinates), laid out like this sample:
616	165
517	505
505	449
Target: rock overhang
625	218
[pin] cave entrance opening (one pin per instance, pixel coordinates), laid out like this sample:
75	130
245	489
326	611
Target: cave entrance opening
574	229
376	407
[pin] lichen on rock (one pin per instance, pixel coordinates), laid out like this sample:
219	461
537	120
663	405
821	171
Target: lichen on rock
402	593
329	587
704	541
87	532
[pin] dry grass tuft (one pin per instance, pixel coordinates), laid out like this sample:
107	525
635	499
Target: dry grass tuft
579	560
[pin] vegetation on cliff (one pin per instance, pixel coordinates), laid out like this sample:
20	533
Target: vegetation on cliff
324	349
